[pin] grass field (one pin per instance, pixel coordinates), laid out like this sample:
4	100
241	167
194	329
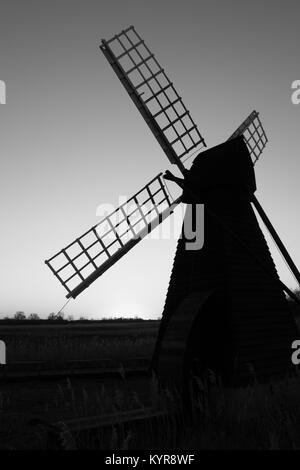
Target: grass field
92	340
65	399
260	417
253	417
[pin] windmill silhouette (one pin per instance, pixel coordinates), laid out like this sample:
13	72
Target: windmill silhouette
225	308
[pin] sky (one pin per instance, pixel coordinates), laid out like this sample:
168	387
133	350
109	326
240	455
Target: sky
71	140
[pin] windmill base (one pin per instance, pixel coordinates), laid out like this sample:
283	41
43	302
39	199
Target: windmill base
198	341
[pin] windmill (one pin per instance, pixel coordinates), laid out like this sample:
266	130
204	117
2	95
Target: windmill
225	306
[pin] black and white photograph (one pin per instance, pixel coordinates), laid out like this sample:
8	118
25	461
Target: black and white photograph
150	256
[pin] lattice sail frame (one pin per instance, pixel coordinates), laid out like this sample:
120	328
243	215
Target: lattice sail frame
153	94
81	262
254	135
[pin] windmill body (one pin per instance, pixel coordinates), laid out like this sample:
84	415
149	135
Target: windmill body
225	309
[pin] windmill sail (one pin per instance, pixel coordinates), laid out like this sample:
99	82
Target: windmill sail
153	94
254	135
256	140
81	262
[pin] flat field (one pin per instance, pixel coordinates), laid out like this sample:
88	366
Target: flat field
259	416
75	340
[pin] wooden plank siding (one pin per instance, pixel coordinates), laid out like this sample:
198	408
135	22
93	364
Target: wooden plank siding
224	304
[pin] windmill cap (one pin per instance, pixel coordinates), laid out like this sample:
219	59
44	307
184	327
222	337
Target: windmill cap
227	164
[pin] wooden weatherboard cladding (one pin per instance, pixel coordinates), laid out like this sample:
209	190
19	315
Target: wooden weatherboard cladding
229	291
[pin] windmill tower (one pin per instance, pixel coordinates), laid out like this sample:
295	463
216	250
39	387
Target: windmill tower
225	306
